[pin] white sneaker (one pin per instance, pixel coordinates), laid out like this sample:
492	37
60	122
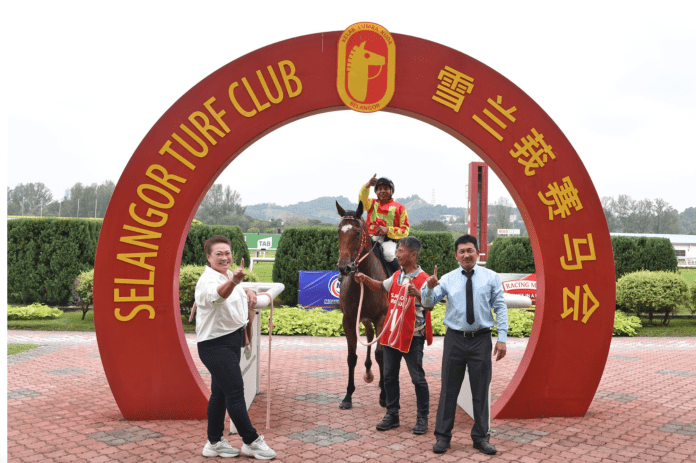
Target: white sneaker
258	449
221	449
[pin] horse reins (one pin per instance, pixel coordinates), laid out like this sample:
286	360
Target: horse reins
402	300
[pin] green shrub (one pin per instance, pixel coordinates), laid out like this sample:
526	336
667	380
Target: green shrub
188	278
625	325
511	255
632	254
253	230
34	311
692	307
296	321
652	292
83	291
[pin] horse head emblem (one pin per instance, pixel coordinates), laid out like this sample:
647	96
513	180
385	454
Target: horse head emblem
358	62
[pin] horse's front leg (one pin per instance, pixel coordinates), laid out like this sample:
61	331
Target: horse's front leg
370	333
379	358
352	340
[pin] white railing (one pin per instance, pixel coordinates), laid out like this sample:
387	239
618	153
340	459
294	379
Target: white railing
686	262
262	250
259	259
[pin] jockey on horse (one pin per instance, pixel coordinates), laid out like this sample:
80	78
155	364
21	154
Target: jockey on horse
387	220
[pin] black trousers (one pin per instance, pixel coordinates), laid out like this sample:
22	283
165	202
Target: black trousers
460	352
414	362
221	357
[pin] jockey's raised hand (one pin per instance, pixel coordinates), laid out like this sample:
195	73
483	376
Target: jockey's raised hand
372	182
432	280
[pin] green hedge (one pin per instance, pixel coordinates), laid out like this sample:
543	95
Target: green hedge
315	248
511	255
631	253
44	256
652	292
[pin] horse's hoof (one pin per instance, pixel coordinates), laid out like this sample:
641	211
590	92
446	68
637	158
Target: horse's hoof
369	377
382	403
347	405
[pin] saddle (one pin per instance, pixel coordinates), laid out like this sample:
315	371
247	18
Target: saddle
389	267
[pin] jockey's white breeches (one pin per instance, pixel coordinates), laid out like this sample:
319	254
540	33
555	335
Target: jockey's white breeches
388	247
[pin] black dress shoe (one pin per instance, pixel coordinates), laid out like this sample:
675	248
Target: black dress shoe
485	447
388	422
421	426
441	446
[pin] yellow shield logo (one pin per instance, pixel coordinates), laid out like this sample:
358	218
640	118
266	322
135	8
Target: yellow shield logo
366	67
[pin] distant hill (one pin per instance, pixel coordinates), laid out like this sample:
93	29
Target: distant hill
324	209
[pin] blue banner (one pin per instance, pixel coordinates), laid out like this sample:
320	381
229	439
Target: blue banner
319	288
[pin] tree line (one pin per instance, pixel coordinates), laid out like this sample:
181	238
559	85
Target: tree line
627	215
223	206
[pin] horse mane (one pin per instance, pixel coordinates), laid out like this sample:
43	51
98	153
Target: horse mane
352	53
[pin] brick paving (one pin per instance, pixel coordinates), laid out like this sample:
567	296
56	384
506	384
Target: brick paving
60	409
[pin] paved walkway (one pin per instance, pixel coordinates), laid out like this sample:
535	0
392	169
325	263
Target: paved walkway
60	408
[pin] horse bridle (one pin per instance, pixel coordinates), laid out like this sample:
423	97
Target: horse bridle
353	266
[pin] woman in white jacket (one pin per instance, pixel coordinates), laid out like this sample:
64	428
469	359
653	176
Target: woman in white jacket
222	313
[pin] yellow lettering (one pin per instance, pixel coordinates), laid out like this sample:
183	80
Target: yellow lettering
146	235
288	76
259	106
129	317
150	213
130	281
217	115
152	202
205	127
164	179
279	89
236	104
137	259
134	297
204	148
168	149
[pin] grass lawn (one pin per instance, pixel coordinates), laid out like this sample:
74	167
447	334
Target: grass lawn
17	348
264	270
69	321
676	328
689	274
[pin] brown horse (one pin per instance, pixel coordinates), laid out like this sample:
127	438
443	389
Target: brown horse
355	254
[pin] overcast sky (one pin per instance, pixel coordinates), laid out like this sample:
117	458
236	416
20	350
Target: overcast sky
85	81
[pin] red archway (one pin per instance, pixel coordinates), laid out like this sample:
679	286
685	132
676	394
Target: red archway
142	345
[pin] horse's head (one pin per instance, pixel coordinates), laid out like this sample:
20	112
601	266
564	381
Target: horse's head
352	239
359	57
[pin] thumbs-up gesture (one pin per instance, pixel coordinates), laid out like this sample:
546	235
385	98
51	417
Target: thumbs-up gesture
372	181
239	273
432	280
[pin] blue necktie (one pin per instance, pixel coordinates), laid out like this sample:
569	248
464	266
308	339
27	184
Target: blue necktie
469	297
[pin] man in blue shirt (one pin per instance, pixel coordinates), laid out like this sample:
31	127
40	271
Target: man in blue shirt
471	293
